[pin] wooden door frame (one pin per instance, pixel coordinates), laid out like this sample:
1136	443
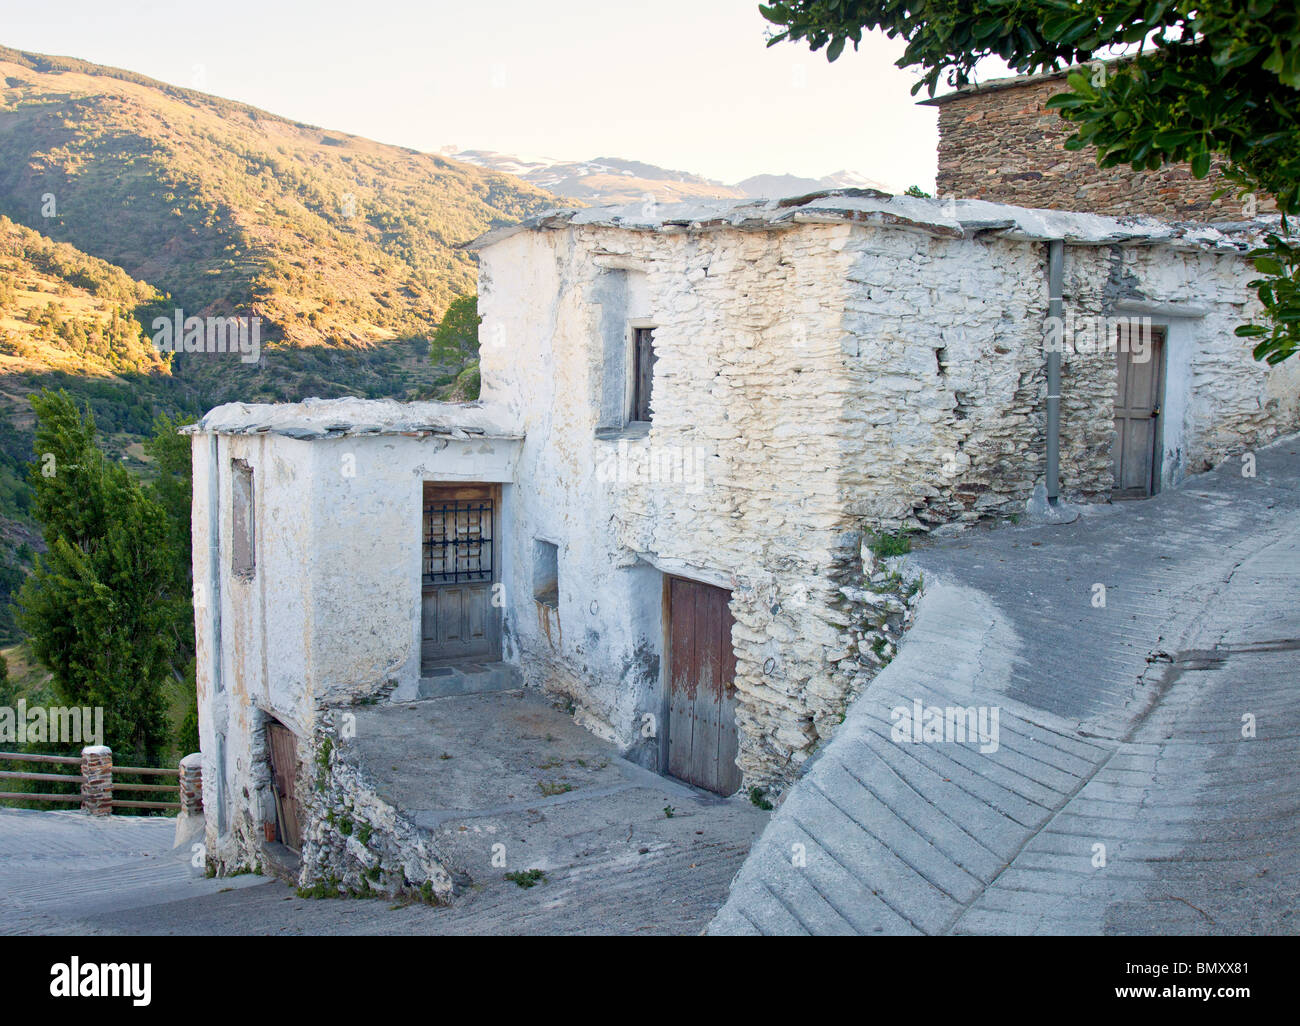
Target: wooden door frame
282	837
665	667
1154	484
1158	433
665	673
494	490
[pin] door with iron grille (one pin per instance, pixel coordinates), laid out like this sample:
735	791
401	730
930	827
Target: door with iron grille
461	563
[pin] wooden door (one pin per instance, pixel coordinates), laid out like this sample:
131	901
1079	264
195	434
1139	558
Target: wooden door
1136	446
283	748
702	738
459	621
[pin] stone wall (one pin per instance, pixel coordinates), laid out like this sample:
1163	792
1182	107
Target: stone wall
815	383
749	384
355	843
1001	144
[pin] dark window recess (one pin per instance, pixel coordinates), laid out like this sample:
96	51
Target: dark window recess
243	540
546	573
643	370
458	542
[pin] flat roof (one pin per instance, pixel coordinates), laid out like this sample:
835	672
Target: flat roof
351	417
948	218
995	85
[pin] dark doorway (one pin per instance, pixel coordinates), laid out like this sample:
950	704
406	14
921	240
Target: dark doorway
702	738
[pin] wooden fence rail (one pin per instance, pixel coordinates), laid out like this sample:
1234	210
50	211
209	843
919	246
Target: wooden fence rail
99	789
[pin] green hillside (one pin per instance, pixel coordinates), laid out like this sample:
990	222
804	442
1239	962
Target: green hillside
345	248
123	199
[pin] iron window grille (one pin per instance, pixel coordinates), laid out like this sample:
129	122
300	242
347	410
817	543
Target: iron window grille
458	542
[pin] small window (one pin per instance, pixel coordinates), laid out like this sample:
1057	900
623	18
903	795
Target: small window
243	551
546	573
643	370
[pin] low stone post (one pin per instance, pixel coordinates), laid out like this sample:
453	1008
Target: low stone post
192	785
189	821
97	780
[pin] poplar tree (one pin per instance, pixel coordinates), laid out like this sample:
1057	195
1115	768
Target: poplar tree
100	606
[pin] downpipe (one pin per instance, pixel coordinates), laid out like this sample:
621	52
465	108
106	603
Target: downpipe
1055	258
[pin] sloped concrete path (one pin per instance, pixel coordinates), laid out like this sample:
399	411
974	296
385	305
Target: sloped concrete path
67	874
60	870
1123	796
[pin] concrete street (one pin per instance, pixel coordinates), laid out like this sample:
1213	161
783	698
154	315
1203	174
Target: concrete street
1126	793
1122	797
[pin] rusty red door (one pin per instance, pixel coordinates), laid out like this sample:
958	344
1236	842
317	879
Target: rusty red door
702	738
283	747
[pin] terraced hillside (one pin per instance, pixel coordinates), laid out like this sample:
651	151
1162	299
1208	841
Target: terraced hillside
344	247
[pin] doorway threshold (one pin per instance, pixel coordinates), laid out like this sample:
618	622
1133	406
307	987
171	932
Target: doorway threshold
443	680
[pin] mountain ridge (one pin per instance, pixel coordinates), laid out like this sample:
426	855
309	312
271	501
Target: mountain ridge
338	243
618	181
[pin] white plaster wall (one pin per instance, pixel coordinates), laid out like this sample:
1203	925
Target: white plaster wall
332	612
263	662
747	339
1218	399
835	377
539	359
827	377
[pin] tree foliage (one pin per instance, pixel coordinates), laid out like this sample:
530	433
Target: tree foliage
101	606
1197	81
455	342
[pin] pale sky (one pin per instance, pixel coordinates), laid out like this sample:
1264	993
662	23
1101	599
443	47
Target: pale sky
685	84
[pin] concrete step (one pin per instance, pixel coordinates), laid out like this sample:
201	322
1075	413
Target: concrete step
468	679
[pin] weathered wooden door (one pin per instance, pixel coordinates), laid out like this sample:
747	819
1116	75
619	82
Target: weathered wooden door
458	617
1136	452
702	739
283	747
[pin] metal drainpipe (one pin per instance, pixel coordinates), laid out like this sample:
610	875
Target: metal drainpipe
214	557
1055	255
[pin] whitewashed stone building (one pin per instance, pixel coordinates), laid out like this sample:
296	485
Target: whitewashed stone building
690	421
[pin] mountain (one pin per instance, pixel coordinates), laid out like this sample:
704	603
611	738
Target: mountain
603	181
61	309
67	320
612	180
344	247
781	186
123	199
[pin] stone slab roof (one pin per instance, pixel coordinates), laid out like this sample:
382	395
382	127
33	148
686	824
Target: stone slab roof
339	418
996	85
955	219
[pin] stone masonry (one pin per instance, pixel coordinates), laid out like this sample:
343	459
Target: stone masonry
357	843
865	366
998	142
829	371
